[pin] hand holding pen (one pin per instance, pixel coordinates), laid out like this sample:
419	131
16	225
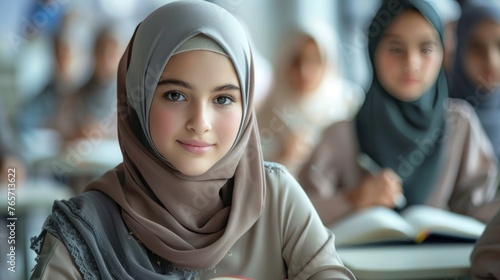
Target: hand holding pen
383	188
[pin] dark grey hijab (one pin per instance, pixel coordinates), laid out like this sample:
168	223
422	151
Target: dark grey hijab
401	135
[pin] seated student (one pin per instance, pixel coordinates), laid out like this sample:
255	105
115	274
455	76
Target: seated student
309	94
431	148
486	254
193	198
94	102
476	73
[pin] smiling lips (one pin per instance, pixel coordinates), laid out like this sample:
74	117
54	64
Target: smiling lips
195	146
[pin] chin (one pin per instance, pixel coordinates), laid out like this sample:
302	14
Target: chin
192	169
407	95
193	172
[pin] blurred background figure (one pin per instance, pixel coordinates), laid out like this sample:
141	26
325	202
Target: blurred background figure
476	71
417	140
309	93
37	115
86	119
95	101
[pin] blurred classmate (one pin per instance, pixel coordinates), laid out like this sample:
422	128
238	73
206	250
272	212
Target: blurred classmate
94	104
431	148
193	198
486	254
476	74
309	94
40	111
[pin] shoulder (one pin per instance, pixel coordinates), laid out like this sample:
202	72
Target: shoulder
90	199
92	207
272	167
461	116
459	108
281	186
276	175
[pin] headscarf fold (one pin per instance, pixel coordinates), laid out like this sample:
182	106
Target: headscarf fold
404	136
486	102
191	222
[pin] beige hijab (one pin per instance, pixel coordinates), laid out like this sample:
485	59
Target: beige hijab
191	222
282	116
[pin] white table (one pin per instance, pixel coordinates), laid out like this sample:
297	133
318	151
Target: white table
424	261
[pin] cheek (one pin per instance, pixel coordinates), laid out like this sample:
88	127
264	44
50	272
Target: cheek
433	67
229	125
386	69
471	66
162	124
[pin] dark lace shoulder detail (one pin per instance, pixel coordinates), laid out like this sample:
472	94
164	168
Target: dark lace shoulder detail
274	167
59	225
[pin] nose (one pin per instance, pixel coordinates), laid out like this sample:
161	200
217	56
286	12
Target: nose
199	118
412	61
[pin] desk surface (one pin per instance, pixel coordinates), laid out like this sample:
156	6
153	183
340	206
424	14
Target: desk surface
424	261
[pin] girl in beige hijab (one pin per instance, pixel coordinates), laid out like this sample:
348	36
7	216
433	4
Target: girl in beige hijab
193	198
309	94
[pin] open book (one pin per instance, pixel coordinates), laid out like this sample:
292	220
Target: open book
415	224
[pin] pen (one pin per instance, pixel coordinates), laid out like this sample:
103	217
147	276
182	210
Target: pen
367	163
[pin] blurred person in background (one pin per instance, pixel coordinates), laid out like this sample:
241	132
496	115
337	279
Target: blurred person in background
476	72
309	93
40	111
94	102
86	119
430	147
36	116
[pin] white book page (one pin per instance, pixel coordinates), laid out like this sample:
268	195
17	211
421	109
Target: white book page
441	221
377	224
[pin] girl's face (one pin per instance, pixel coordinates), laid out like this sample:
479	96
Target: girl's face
482	55
306	67
196	111
408	57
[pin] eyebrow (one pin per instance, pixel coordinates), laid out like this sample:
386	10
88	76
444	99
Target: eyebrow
226	87
395	39
175	82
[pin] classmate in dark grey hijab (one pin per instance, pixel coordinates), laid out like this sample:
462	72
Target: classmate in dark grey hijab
427	146
193	198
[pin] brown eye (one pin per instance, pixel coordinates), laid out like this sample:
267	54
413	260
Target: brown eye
223	100
174	96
